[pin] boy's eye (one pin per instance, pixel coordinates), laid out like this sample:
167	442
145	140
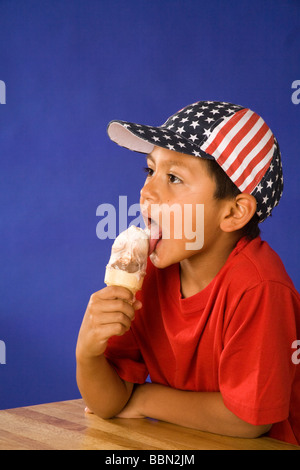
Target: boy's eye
148	171
174	179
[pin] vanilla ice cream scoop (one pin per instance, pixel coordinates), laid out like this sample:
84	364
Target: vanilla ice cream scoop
128	260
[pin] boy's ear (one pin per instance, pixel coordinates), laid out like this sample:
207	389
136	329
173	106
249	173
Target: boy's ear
238	212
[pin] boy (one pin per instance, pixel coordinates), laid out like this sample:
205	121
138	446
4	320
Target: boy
213	326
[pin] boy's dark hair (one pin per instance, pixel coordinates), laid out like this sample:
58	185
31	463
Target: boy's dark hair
225	188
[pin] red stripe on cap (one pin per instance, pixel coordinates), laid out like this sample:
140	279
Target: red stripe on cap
224	131
257	179
237	138
251	166
247	149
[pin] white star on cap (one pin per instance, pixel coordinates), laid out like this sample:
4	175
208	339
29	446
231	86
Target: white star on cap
269	209
194	124
207	132
265	199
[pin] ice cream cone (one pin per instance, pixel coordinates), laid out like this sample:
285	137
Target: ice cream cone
128	260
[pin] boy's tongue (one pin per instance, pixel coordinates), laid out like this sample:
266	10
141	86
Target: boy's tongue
152	245
155	236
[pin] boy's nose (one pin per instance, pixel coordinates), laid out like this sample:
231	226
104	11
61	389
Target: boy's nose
149	192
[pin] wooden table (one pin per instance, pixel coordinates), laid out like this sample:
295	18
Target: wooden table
65	425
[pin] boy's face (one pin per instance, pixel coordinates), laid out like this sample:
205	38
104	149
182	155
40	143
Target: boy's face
180	181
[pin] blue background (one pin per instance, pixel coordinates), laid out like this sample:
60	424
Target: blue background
70	67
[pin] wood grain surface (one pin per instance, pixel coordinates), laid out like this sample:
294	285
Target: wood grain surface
65	426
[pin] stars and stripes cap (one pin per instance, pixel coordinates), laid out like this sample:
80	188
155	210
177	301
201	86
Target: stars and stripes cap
235	137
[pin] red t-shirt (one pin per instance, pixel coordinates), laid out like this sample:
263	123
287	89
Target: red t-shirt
236	336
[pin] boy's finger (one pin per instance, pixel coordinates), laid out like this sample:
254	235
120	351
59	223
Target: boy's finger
116	305
137	305
110	318
114	292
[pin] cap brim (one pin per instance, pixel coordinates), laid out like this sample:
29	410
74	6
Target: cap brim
142	139
118	132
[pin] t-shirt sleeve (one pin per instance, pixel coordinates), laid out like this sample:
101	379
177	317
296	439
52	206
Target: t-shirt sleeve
124	355
256	370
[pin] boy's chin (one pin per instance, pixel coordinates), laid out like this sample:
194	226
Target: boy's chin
158	262
162	260
166	255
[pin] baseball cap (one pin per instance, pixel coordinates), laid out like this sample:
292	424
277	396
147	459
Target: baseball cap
237	138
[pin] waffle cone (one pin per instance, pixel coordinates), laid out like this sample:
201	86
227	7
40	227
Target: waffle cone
116	277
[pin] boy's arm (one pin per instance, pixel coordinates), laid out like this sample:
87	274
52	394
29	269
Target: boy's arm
103	391
109	312
204	411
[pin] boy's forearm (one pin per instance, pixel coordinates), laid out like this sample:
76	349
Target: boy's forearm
103	391
204	411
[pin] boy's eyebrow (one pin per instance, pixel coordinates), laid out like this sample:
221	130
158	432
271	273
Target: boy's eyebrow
170	162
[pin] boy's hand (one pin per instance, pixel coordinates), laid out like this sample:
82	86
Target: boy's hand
110	312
